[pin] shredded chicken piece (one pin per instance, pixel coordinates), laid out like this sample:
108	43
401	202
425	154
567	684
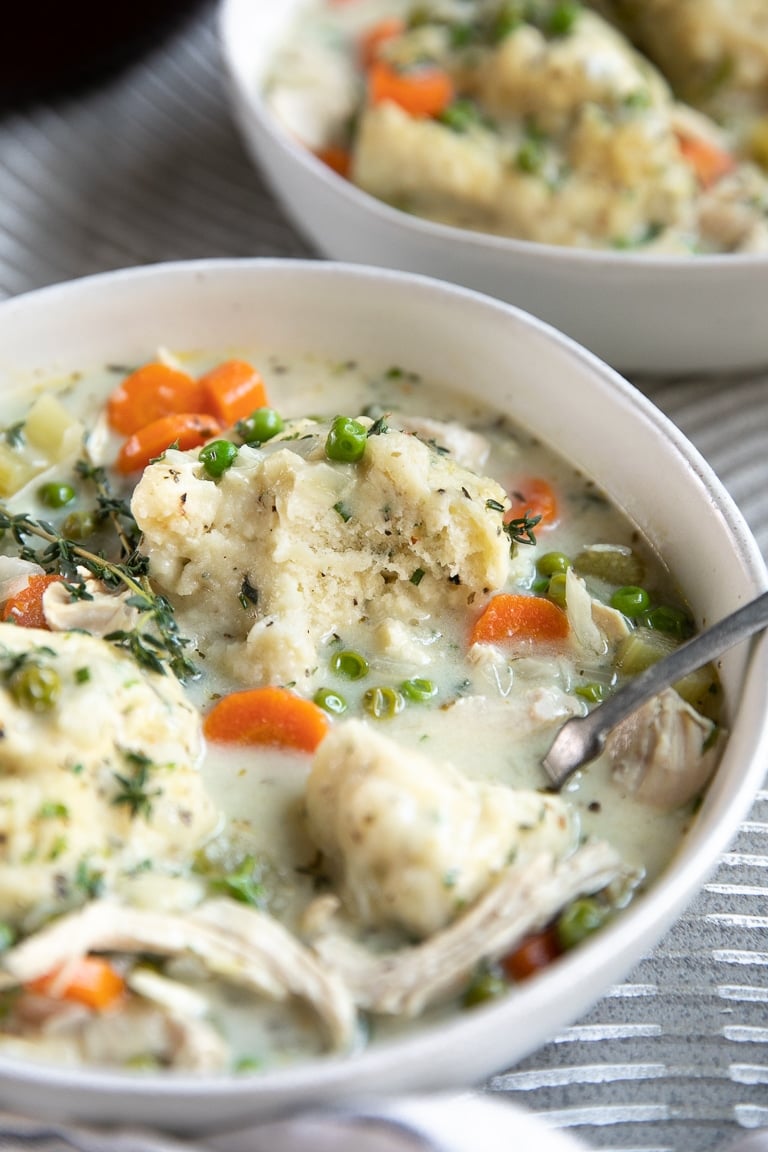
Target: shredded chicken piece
592	623
238	944
145	1031
523	899
661	754
103	613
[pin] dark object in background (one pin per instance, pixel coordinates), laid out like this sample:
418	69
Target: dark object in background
53	48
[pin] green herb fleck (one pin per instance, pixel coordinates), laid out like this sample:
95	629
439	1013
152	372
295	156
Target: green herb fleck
248	594
14	436
343	511
520	530
53	810
135	794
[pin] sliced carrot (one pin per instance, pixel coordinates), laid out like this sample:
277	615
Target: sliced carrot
272	716
422	92
532	955
533	496
232	390
517	616
709	161
91	980
182	430
25	608
336	158
375	37
150	392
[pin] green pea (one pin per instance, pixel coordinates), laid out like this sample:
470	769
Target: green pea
79	525
594	692
483	987
248	1064
556	588
351	665
563	18
35	687
530	157
508	18
631	601
261	425
460	116
383	703
671	621
56	494
418	689
217	457
552	563
330	701
579	920
346	440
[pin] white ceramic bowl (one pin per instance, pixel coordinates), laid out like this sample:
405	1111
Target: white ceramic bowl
644	314
586	412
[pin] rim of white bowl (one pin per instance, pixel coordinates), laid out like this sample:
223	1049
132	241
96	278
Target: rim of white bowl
670	264
625	938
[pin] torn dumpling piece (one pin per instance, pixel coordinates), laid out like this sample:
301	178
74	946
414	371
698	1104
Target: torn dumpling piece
288	547
411	840
99	766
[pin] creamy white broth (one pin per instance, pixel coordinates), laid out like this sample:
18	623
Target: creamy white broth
254	802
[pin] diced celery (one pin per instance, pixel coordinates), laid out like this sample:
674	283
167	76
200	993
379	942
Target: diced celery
614	563
702	691
642	648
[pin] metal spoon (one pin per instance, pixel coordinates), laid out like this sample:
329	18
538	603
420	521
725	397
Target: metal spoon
582	738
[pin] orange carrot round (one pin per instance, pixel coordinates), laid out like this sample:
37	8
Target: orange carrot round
532	955
533	496
373	38
510	616
25	608
91	980
268	716
422	92
709	161
182	430
150	392
232	390
336	158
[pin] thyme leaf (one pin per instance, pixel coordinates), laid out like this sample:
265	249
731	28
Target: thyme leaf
135	793
520	530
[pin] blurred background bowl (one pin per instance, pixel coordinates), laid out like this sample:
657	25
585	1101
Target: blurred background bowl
583	410
641	313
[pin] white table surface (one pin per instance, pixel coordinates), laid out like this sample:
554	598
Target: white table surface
149	167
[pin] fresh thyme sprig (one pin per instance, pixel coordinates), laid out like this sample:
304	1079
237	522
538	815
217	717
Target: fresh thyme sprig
520	530
151	649
108	505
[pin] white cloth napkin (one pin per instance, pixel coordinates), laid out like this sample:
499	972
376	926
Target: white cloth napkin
466	1123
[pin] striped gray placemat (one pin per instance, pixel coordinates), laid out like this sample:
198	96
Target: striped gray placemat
149	167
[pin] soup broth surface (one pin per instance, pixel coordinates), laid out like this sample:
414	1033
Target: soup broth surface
258	879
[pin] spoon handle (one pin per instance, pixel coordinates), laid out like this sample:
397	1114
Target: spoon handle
582	738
